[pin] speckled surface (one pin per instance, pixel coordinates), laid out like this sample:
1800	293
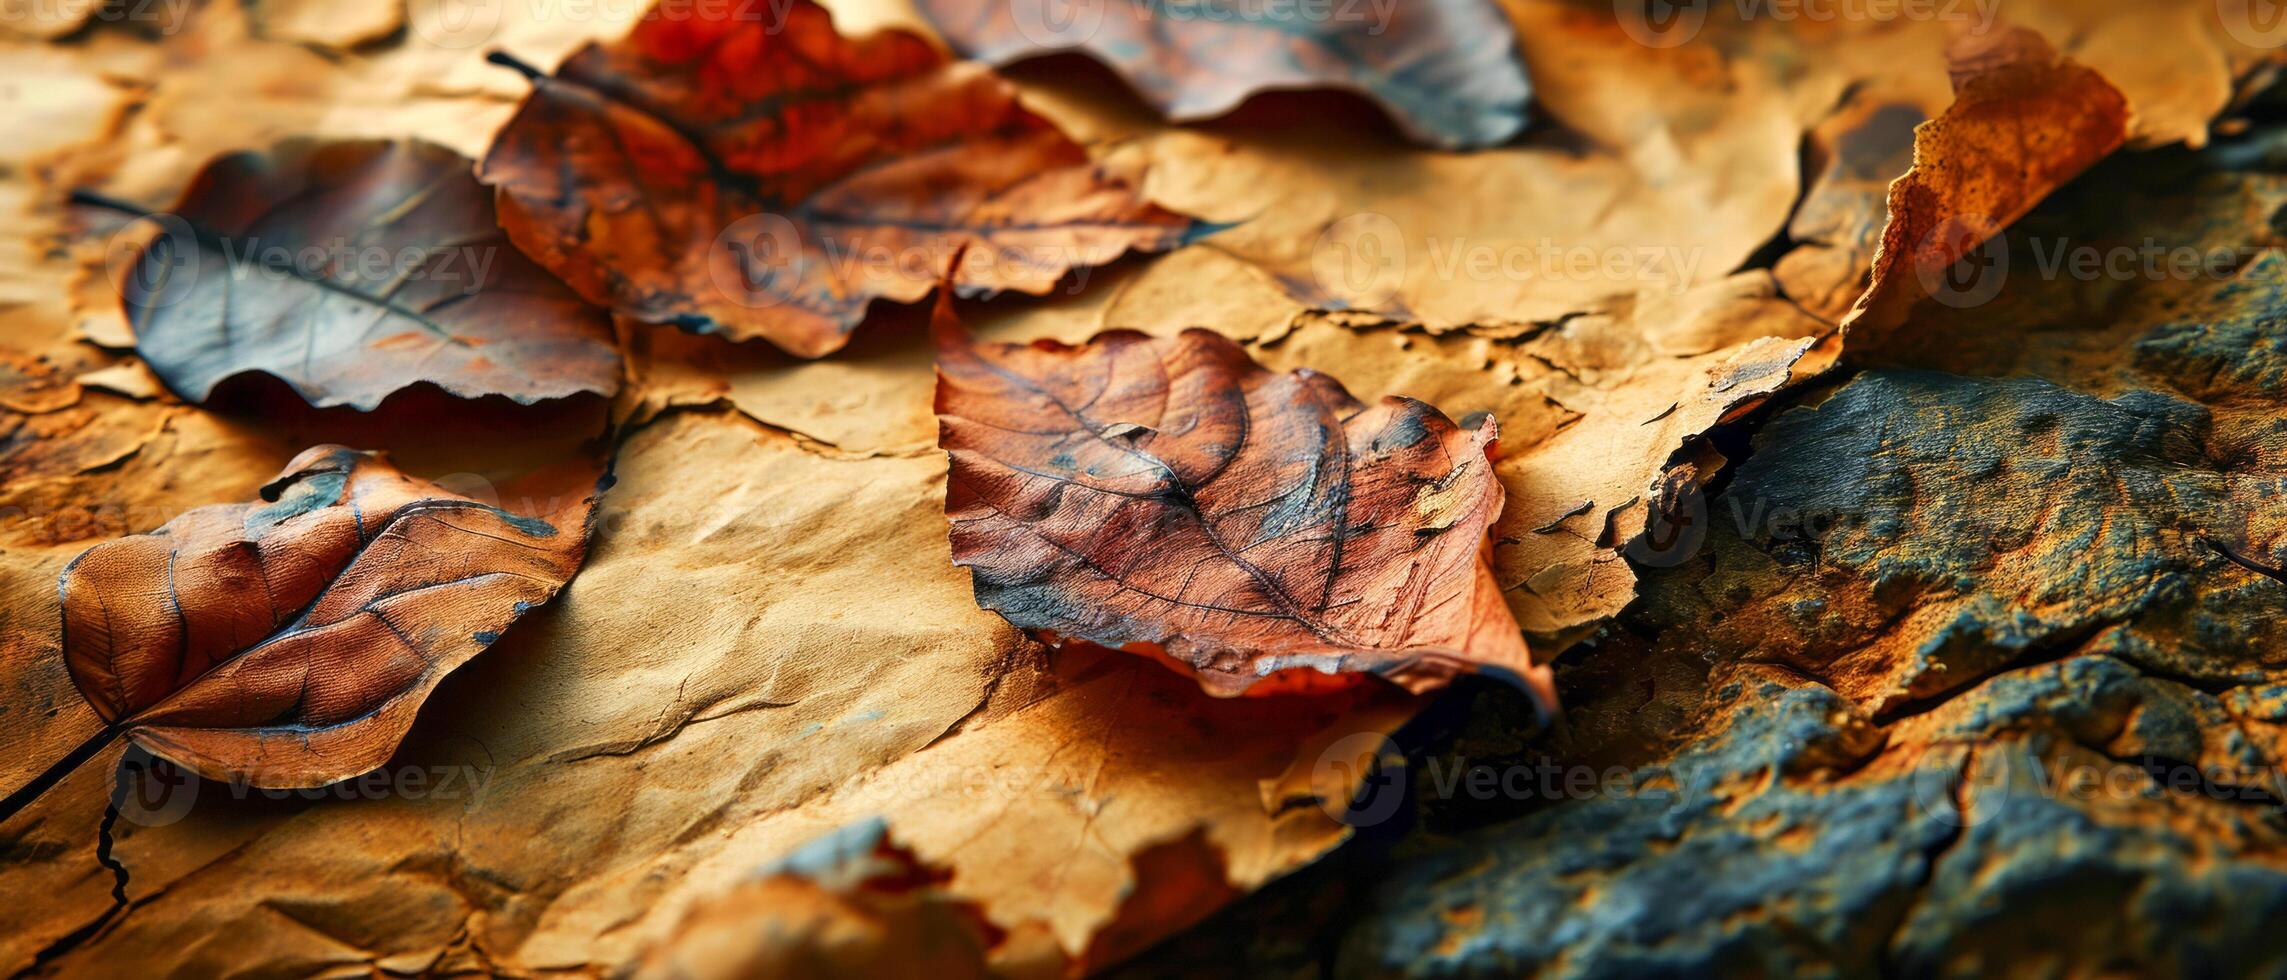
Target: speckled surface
1974	666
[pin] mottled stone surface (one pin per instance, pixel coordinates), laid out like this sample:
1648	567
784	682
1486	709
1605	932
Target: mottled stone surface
1975	666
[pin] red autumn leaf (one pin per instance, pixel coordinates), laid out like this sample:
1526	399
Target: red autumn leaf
766	179
1170	495
1447	70
351	270
290	642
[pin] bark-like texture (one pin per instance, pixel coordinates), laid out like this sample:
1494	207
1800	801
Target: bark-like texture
1973	667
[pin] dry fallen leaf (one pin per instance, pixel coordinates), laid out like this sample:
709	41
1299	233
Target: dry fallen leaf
1256	527
289	643
2024	120
768	178
351	270
1447	70
725	733
732	678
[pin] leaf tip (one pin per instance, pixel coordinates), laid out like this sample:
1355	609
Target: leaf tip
522	67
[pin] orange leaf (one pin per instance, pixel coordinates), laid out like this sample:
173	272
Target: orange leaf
289	643
1171	495
771	180
2024	120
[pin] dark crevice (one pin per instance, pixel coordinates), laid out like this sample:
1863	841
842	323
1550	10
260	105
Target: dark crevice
2063	646
2167	772
1808	165
104	839
25	794
1886	957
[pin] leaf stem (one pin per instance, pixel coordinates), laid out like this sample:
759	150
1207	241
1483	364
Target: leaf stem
30	791
523	67
96	199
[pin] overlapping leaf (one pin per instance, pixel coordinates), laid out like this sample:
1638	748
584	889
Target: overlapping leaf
770	179
1447	70
1170	493
290	643
351	270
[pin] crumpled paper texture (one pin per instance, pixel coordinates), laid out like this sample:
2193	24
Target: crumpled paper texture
770	643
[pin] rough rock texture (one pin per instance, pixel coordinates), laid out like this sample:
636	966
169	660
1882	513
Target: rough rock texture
1973	666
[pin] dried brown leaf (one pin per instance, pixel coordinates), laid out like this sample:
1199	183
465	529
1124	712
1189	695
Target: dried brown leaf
352	270
1256	527
289	643
771	180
